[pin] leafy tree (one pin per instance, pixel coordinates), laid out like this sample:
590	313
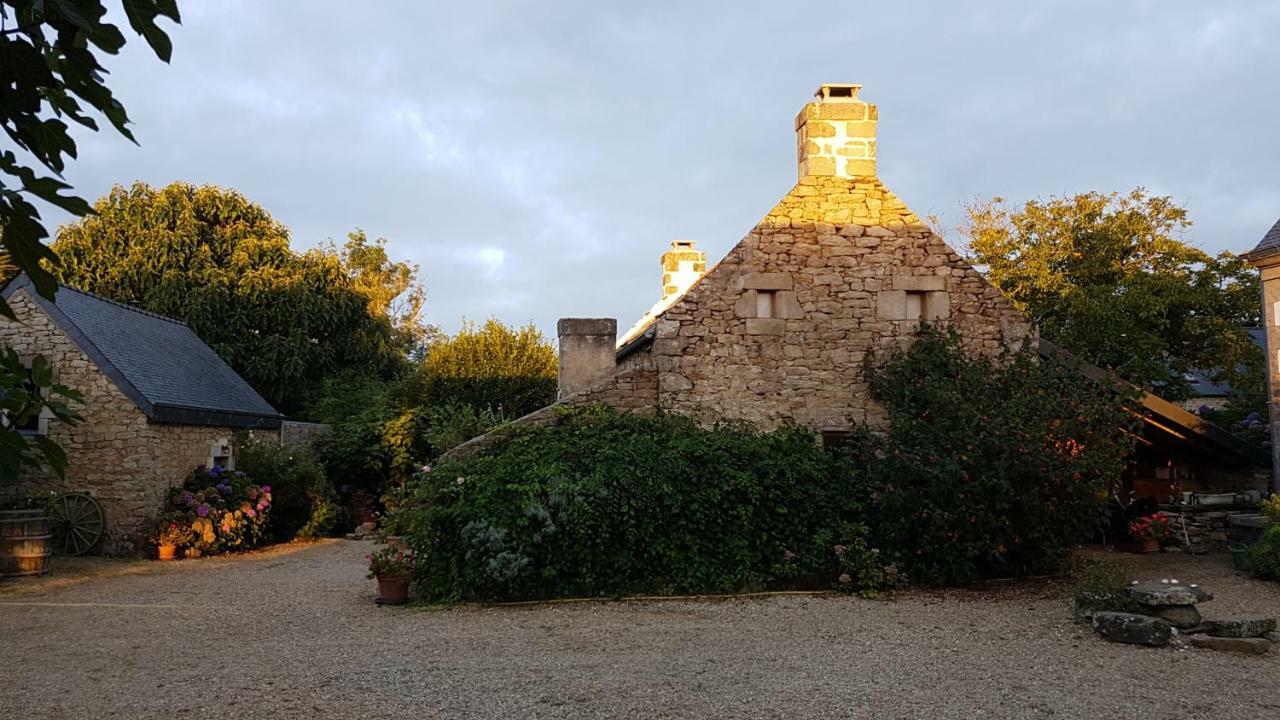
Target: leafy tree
392	287
494	367
214	259
1107	277
27	391
48	67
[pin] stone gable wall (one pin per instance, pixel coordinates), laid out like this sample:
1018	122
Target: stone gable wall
116	455
840	256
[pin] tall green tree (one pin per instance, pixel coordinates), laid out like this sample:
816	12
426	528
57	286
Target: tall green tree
392	287
1108	277
284	320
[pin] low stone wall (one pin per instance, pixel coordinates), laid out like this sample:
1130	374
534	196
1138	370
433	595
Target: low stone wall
1201	530
634	390
294	433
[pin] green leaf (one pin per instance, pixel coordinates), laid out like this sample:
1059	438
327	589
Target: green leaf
142	17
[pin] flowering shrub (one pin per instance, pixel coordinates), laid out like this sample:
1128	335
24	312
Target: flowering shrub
1271	509
222	509
1155	526
172	530
390	561
861	568
302	499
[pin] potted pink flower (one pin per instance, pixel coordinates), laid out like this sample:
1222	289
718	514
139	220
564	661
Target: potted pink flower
1152	531
392	567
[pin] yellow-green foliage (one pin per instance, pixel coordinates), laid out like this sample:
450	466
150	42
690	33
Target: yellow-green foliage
506	370
1271	509
1108	276
214	259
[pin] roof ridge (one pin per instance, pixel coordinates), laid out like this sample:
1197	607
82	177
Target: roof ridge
126	306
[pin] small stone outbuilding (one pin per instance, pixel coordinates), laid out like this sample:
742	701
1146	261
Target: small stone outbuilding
158	401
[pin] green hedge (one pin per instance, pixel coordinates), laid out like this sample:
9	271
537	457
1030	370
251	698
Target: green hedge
985	468
607	504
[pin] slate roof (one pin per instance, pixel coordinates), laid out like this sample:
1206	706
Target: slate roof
1269	245
1164	415
158	362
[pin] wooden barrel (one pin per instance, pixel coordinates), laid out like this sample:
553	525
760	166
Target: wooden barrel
24	542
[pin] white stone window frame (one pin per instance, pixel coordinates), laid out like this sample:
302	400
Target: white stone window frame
767	301
221	448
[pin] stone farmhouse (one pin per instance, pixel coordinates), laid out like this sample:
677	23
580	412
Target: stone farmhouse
158	402
777	332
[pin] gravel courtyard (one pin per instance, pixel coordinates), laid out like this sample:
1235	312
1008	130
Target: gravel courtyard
292	632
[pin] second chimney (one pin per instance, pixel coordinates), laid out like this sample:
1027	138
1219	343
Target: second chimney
586	352
682	265
836	134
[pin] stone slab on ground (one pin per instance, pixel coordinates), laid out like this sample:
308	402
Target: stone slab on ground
1156	594
1179	616
1240	627
1251	646
1132	629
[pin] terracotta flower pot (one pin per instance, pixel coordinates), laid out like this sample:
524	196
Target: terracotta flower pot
1150	545
393	589
167	552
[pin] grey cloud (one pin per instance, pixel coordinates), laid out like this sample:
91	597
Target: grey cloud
536	158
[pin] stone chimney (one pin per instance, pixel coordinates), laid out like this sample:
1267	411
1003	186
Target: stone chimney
586	352
682	265
836	134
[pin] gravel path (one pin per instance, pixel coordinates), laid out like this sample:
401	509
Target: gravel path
292	633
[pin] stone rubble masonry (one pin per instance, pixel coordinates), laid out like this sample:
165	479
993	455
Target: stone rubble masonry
836	134
116	454
586	352
841	257
682	265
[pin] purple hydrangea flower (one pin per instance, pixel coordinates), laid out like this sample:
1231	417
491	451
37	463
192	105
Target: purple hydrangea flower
203	511
266	488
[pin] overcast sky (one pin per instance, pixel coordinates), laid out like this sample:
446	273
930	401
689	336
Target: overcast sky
536	158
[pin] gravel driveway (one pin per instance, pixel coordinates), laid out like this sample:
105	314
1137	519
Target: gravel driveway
292	633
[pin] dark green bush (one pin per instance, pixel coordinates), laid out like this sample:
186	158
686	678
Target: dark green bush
302	498
989	467
1264	555
602	504
985	468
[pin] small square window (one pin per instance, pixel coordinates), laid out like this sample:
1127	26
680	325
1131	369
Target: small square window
834	439
765	303
916	306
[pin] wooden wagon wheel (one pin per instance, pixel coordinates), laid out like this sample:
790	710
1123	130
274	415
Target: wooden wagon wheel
77	523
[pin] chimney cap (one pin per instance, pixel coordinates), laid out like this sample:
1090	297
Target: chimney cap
837	92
